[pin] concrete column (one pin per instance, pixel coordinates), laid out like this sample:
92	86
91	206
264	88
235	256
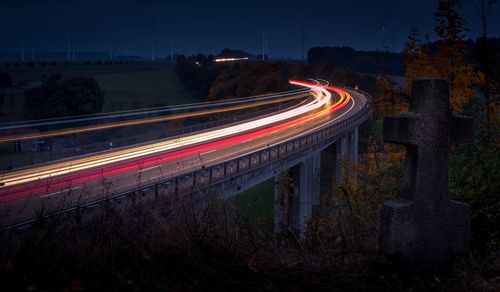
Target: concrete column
282	186
341	151
352	144
356	143
315	165
307	174
296	193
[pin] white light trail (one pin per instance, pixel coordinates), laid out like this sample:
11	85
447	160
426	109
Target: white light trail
321	98
230	59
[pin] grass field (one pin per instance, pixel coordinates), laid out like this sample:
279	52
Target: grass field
130	89
257	204
133	90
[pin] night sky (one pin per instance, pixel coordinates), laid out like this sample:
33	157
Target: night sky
209	26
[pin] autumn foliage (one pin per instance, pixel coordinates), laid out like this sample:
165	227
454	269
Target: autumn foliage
248	79
449	61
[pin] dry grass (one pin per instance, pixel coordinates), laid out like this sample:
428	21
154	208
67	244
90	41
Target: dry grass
144	245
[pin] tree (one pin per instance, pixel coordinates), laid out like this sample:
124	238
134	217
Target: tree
486	54
475	179
389	100
86	97
450	59
417	60
247	79
5	82
58	97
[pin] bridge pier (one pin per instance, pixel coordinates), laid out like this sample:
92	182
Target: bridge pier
339	154
296	194
352	144
344	147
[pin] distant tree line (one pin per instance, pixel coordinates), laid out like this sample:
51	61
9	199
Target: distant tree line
201	75
229	53
58	97
370	62
5	82
44	64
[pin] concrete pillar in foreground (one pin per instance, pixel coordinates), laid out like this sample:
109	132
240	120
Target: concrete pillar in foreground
296	193
423	226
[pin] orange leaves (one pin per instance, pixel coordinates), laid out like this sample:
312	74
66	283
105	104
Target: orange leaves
389	100
450	59
250	259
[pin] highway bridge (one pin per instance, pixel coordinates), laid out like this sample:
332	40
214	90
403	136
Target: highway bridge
224	159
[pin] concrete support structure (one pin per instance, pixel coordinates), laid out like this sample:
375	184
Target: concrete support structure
352	144
296	194
282	194
341	152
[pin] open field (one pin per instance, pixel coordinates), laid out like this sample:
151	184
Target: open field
257	204
132	90
128	88
31	72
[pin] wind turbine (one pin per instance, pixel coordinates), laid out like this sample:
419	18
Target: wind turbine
154	40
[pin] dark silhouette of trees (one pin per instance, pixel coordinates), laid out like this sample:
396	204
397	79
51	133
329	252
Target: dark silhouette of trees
58	97
5	82
416	60
228	53
205	77
447	60
197	77
488	58
247	79
373	62
388	100
450	59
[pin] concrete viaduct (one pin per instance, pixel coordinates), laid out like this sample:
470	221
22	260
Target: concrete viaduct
298	160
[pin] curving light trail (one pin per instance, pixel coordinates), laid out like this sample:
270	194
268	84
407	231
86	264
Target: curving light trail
322	97
138	112
136	122
60	175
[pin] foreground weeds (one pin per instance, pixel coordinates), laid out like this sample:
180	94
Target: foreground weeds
144	246
152	244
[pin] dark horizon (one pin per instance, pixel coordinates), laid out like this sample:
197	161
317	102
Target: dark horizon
189	27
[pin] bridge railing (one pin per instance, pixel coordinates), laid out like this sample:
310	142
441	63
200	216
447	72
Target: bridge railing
364	93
